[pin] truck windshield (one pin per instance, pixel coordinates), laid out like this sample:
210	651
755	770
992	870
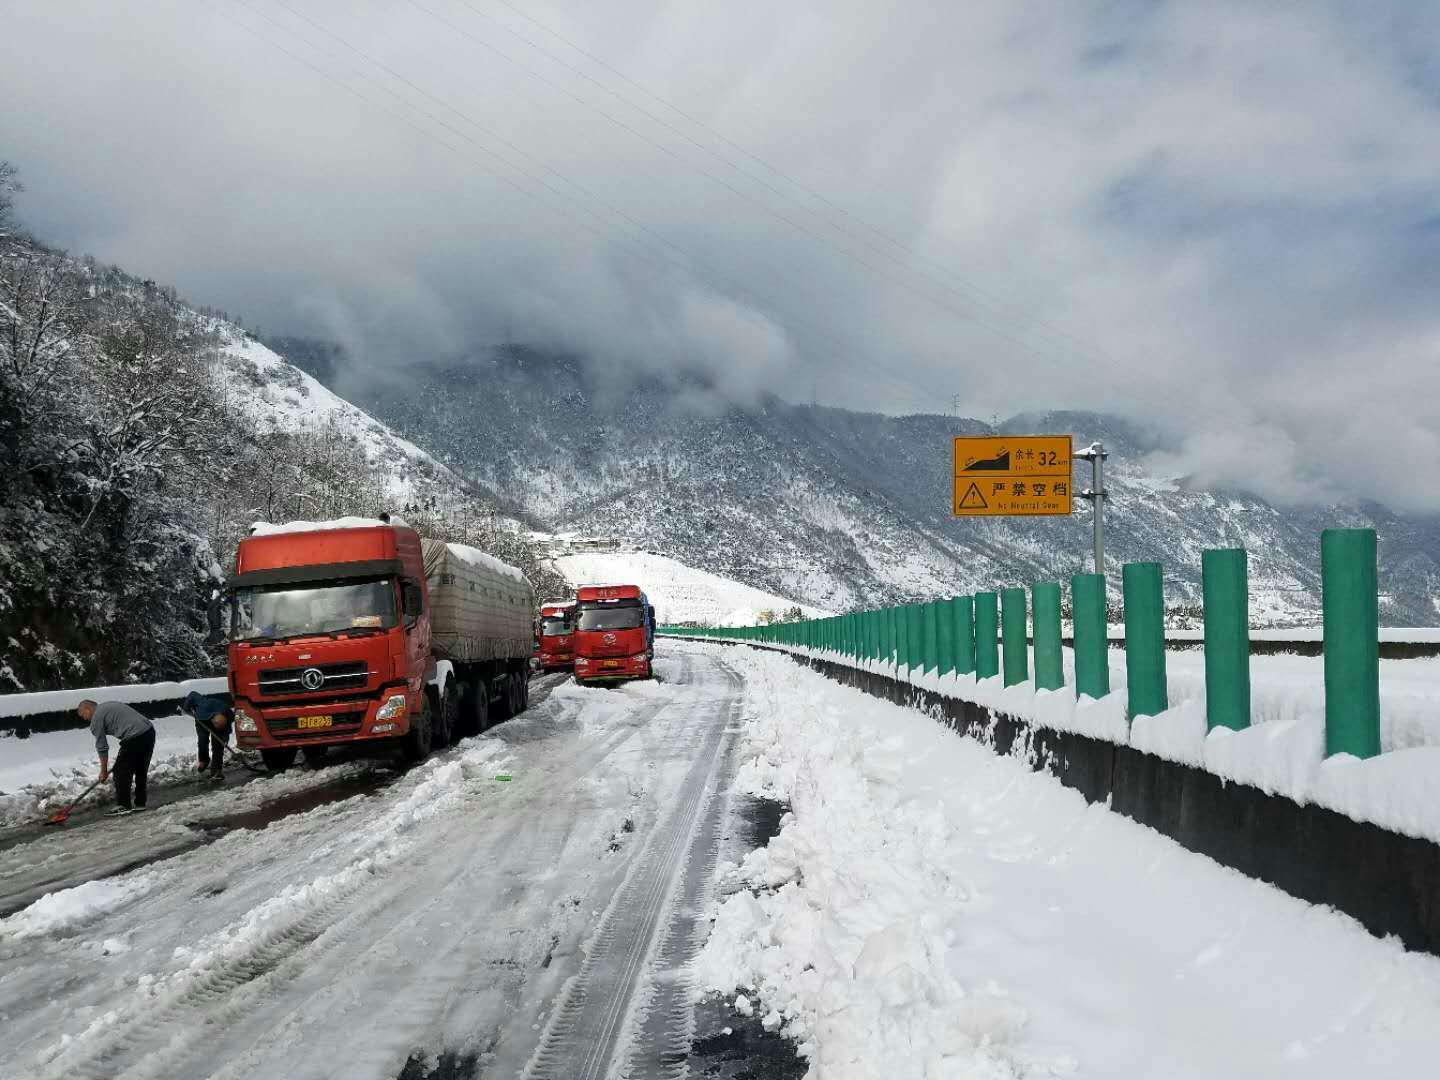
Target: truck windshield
297	610
611	618
551	626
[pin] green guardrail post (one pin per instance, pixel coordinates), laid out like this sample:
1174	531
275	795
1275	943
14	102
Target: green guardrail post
945	635
1014	649
965	635
987	628
1144	590
1351	602
1092	645
1045	615
930	637
1225	582
916	616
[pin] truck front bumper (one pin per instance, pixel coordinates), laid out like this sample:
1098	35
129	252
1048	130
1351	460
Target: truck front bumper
611	668
313	723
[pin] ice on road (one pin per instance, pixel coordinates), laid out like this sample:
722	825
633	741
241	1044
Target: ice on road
444	913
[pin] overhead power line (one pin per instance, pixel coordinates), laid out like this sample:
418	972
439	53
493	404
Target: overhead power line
970	316
637	245
998	305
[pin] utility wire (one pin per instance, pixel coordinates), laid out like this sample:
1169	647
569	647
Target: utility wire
639	248
966	316
998	305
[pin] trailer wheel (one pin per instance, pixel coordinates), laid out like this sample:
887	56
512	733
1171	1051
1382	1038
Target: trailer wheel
480	698
278	760
417	741
524	681
446	717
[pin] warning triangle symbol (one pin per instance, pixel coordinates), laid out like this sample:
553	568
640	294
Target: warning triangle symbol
973	500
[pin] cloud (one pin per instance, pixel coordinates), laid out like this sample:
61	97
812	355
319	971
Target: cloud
1218	218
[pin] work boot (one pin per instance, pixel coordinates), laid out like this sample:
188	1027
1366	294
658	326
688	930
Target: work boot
216	776
118	811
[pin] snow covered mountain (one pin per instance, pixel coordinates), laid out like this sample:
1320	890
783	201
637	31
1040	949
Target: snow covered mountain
841	509
680	593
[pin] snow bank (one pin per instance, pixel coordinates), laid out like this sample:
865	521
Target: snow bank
41	774
49	701
1282	752
59	911
930	909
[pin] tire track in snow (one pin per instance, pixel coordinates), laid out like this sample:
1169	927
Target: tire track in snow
165	1026
586	1033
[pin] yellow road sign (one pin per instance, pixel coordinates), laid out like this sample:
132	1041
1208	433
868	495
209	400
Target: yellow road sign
996	475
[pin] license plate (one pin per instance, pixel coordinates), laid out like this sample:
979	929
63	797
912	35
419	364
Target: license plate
314	722
610	663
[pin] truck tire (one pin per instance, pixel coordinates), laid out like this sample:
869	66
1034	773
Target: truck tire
278	760
524	680
416	747
315	756
478	701
446	718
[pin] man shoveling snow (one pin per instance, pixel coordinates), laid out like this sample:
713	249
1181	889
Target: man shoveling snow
136	736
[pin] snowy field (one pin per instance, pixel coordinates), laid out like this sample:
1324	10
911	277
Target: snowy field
932	910
680	593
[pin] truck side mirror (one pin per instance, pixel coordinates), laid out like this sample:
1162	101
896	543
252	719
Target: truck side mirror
215	619
411	601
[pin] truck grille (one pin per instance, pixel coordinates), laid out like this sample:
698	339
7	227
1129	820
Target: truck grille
350	675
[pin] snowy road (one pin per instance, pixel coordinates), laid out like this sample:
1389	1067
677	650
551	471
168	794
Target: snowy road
525	926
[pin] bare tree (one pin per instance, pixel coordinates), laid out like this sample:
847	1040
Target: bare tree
9	187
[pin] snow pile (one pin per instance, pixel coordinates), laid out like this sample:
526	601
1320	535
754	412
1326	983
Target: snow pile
266	528
680	593
930	909
41	774
475	557
60	911
1282	752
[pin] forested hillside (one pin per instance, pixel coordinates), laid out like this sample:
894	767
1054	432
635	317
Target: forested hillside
139	438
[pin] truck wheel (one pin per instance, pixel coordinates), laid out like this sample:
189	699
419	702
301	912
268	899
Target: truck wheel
447	717
524	681
278	760
480	704
417	741
315	756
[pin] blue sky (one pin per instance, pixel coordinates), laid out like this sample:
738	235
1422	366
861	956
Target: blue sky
1222	217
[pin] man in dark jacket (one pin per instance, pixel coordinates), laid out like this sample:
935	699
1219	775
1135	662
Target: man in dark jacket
211	713
137	743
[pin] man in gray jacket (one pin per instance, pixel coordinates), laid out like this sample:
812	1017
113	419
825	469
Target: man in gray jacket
137	743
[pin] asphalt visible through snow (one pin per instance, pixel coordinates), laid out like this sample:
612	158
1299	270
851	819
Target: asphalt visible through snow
523	904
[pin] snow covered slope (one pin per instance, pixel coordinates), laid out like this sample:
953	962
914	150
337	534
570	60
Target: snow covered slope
680	593
848	509
278	396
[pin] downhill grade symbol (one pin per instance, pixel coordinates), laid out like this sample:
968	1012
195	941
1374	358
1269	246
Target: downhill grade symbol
1012	474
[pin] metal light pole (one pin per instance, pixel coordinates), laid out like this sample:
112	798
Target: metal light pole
1096	495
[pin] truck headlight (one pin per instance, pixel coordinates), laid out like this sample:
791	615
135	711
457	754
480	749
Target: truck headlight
245	722
394	706
582	661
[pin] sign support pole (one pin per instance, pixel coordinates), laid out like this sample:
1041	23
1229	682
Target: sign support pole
1096	495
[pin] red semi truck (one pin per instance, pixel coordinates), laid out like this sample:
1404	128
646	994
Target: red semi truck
359	633
555	636
614	633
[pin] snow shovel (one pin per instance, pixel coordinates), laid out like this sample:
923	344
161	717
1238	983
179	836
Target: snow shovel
234	755
61	816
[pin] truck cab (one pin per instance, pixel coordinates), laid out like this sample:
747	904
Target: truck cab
555	636
330	642
614	634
